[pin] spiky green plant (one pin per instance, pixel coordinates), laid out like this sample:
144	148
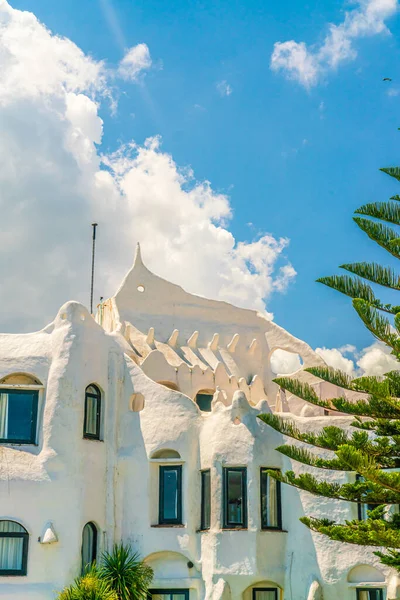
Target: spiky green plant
125	573
88	587
372	449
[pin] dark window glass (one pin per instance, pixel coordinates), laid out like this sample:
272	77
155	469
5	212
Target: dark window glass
265	594
89	545
13	548
18	416
169	594
363	508
204	401
235	500
369	594
170	503
91	425
205	499
271	512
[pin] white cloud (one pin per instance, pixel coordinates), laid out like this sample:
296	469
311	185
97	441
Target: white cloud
136	60
372	360
307	64
54	183
285	363
223	88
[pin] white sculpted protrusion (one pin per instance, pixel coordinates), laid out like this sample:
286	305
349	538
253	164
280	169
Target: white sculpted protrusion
213	345
192	341
233	343
173	338
150	337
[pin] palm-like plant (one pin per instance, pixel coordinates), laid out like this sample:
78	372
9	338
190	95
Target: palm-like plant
89	587
126	573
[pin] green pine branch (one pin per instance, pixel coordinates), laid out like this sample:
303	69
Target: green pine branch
385	211
379	233
372	532
361	491
374	272
392	171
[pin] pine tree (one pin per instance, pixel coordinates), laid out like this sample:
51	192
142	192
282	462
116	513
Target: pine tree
371	448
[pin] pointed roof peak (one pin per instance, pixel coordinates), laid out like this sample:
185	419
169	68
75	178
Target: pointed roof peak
138	261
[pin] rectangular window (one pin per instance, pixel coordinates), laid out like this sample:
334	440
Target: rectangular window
169	595
369	594
271	512
265	594
18	416
170	498
205	499
235	497
363	508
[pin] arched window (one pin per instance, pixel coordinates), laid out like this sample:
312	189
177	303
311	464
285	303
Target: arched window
91	426
13	548
89	545
204	399
170	385
19	409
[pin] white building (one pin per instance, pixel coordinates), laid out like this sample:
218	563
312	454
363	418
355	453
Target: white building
102	439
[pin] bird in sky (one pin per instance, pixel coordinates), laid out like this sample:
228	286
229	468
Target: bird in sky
386	79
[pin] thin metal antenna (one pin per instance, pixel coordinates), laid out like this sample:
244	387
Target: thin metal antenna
94	225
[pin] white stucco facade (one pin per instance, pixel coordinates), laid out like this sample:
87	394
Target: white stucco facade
153	331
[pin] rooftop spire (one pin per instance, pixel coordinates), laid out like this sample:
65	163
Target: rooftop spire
138	256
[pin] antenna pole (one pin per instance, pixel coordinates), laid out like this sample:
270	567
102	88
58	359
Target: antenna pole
94	225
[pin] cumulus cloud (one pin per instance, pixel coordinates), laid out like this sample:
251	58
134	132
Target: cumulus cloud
223	88
372	360
306	64
55	182
136	60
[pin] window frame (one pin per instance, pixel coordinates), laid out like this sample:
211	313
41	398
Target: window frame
161	507
25	544
98	396
203	521
264	526
184	591
94	548
225	479
361	506
371	589
255	590
34	415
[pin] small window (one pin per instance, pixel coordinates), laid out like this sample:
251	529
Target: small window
169	594
235	497
369	594
271	512
361	507
18	416
13	548
89	545
205	499
91	426
170	495
265	594
203	400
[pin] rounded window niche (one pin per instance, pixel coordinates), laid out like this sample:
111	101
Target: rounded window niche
204	399
285	363
166	453
365	574
169	384
20	379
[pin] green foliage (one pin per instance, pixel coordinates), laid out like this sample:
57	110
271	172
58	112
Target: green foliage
376	273
88	587
371	447
125	573
385	211
121	575
379	233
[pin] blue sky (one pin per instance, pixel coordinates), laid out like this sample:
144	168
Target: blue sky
294	160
